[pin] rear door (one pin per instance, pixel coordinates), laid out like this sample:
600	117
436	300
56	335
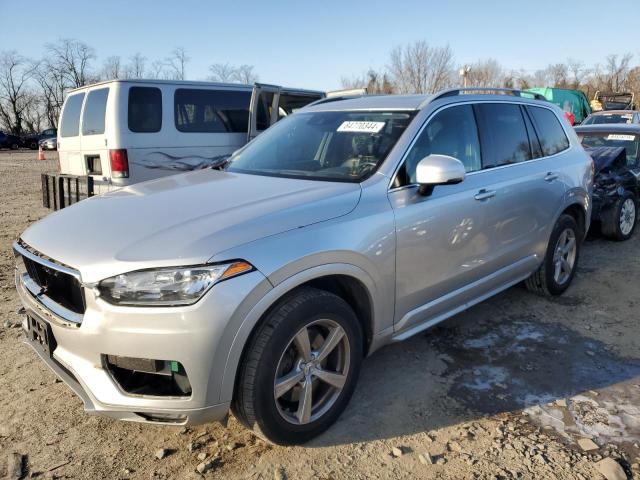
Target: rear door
523	188
69	139
95	152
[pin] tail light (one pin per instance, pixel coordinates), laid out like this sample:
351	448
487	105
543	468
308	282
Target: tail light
119	163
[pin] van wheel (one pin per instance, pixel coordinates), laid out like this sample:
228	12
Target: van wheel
554	276
300	368
619	220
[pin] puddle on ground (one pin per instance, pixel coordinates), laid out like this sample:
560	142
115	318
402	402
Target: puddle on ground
563	380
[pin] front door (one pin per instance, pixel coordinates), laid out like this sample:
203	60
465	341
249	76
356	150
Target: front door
442	243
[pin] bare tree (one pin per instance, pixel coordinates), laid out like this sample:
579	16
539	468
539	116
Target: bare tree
72	58
15	72
158	69
485	73
617	72
419	68
177	62
136	66
34	115
52	83
578	72
112	68
222	72
559	74
245	74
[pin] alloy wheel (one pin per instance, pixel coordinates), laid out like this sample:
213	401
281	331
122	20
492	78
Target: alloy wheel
312	372
564	256
627	216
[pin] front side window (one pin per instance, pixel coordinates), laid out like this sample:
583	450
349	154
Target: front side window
211	111
453	132
94	112
630	142
550	132
145	109
503	134
334	146
70	121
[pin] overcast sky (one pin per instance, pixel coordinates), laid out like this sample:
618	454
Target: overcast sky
312	44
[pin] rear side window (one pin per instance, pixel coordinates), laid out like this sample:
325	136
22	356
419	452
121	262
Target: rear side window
145	109
550	132
211	111
503	134
94	112
70	121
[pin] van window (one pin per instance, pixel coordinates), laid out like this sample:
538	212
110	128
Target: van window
94	112
550	132
145	109
452	132
503	134
211	111
70	121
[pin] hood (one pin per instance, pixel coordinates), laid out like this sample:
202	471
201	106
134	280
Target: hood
607	157
182	220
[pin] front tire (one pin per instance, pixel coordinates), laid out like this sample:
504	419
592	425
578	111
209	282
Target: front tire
555	274
300	368
619	220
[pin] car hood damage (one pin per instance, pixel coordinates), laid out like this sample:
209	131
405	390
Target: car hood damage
183	220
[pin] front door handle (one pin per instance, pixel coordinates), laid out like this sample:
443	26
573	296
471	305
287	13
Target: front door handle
550	177
485	194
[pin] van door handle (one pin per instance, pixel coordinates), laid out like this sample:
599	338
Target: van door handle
485	194
550	177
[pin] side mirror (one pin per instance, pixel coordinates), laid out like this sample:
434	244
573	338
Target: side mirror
438	170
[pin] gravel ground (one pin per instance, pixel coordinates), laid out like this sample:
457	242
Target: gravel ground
516	387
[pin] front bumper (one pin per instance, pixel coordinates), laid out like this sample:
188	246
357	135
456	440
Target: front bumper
197	336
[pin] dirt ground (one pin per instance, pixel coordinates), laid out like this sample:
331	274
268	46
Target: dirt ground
504	390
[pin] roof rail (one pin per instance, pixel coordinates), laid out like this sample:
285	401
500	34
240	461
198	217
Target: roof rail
487	90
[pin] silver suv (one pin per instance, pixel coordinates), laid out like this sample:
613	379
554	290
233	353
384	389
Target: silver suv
351	224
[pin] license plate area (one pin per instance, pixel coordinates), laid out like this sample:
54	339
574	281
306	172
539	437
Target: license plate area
40	333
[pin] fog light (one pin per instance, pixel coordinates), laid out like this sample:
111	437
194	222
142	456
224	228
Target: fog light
145	376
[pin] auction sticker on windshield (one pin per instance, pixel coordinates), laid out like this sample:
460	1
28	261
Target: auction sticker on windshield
617	136
361	127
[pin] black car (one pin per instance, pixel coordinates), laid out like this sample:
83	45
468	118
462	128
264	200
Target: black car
32	141
9	141
615	149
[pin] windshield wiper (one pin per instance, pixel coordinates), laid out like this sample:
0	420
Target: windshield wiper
220	162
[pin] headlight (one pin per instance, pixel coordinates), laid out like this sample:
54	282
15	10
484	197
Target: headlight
167	286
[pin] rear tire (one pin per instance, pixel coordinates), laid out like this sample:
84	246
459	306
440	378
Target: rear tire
555	274
619	220
278	371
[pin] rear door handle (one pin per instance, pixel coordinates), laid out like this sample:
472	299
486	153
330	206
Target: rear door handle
550	177
485	194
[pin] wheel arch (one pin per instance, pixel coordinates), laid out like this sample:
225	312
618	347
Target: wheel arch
347	281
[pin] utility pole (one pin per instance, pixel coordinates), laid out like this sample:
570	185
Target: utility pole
464	73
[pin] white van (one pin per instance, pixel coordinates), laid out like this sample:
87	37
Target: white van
121	132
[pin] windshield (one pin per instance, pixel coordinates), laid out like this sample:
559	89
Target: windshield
335	146
608	118
629	141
